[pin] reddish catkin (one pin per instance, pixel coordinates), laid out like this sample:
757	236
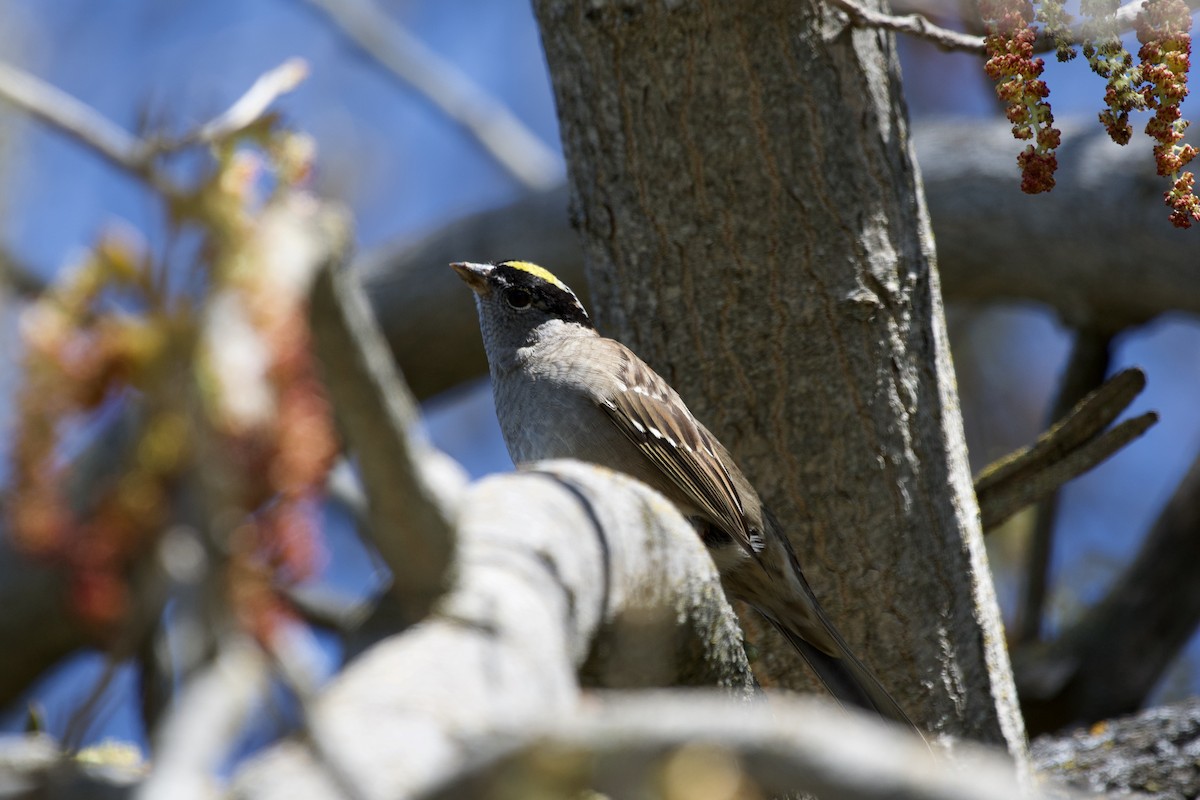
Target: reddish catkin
1017	75
1164	31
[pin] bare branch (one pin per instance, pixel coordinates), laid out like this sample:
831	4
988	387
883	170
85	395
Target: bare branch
251	106
1149	755
37	628
1086	369
1109	660
1091	268
1123	21
552	566
212	709
1071	447
912	24
130	153
682	743
409	519
292	652
916	23
505	138
75	118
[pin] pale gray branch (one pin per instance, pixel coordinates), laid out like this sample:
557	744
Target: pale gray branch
251	106
550	565
135	155
682	743
408	510
210	713
504	137
911	24
73	117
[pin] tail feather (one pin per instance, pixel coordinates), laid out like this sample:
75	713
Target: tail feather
847	678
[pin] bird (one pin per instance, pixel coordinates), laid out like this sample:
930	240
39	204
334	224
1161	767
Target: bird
562	390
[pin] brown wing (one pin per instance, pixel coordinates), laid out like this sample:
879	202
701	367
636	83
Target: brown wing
679	446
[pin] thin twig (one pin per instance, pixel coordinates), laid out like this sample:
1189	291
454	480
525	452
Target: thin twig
913	24
485	118
135	155
251	106
917	24
75	118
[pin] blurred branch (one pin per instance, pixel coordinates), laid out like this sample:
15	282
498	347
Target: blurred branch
19	278
199	734
132	154
149	594
1070	448
1086	369
553	566
79	121
37	628
1107	662
408	508
686	744
292	653
253	105
1091	234
1124	20
514	147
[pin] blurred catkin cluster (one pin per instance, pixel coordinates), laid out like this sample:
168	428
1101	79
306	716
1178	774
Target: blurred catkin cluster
179	389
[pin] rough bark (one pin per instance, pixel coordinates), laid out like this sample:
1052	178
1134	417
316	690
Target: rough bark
1151	756
753	226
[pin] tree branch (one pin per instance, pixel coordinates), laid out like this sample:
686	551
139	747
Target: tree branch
911	24
1072	446
204	724
75	118
683	744
408	509
551	565
1086	369
134	155
1151	754
1107	662
488	121
916	23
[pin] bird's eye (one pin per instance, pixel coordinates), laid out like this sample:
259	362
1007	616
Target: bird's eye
517	297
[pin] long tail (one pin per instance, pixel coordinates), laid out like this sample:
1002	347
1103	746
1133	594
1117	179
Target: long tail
847	678
804	623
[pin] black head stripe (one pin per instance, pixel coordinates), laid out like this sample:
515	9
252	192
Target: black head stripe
550	295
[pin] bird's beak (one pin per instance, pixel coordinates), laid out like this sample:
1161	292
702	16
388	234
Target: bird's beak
476	275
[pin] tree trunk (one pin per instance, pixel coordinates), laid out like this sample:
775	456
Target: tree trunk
754	227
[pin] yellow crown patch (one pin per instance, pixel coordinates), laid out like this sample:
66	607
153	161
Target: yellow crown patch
539	272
